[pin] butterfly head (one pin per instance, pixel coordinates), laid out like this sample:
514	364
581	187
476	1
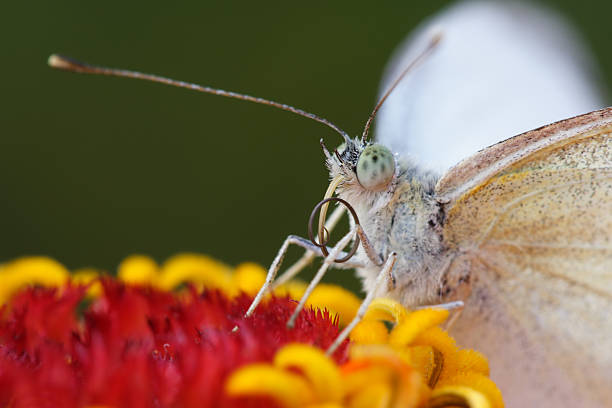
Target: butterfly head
364	167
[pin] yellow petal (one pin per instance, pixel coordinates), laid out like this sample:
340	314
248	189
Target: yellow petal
289	389
138	269
370	332
370	364
386	309
471	360
478	382
373	395
37	270
85	276
415	323
371	352
320	370
294	289
452	396
248	277
428	361
337	300
197	269
357	374
442	342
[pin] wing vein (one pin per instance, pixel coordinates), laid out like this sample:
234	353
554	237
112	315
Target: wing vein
547	273
548	246
519	199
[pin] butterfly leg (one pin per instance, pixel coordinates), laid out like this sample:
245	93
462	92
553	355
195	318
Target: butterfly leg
309	255
384	273
368	247
455	305
329	259
272	272
374	257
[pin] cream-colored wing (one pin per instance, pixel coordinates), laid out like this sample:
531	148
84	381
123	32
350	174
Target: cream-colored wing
531	221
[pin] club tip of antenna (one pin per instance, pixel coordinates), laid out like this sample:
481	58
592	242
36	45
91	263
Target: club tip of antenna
60	62
436	35
57	61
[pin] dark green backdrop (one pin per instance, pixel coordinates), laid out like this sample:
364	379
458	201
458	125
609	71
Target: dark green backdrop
93	169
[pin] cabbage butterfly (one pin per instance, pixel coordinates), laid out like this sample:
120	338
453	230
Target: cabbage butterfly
519	231
533	211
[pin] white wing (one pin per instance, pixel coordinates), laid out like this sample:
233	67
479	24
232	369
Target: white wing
531	221
502	68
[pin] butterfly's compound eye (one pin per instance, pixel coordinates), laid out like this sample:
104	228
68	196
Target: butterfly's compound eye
375	167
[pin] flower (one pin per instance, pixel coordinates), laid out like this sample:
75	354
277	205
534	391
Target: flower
164	336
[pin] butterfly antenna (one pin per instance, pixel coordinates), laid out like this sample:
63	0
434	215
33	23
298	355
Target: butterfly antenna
435	40
69	64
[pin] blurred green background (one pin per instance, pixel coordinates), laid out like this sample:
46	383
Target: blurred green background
93	169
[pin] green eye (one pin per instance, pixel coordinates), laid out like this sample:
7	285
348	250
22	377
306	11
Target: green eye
341	148
375	167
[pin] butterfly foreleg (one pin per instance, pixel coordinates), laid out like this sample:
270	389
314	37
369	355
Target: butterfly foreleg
275	266
368	247
374	257
276	263
329	259
311	253
384	274
454	305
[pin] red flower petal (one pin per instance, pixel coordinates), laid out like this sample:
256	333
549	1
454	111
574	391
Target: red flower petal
139	347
